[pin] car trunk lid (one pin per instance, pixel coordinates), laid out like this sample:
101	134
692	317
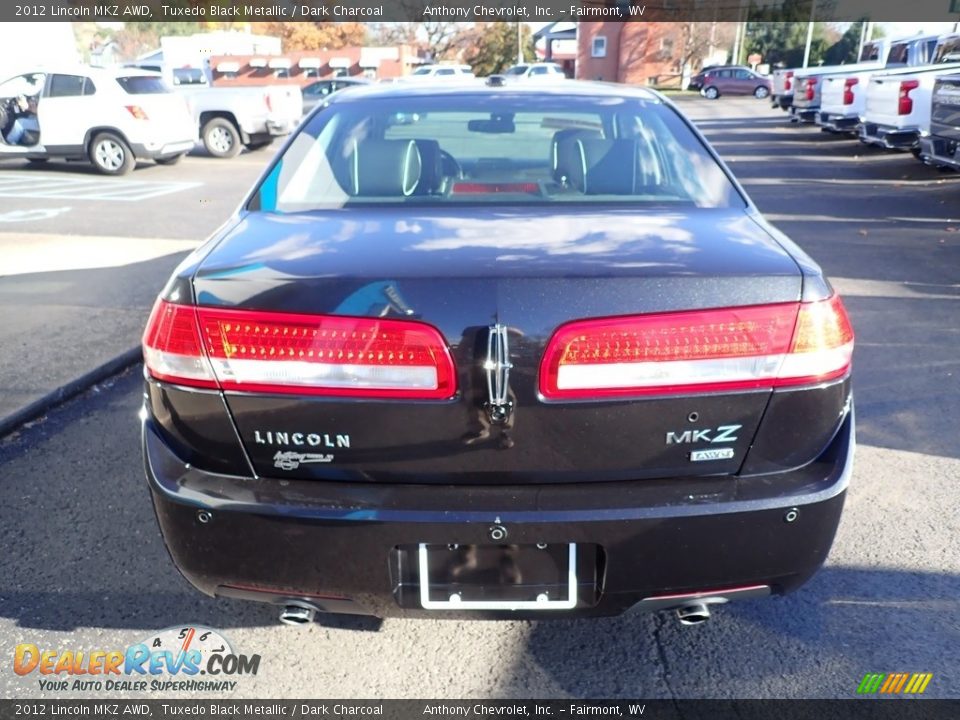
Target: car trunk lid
524	273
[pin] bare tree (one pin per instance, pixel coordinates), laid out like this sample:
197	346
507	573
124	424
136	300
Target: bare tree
444	40
698	40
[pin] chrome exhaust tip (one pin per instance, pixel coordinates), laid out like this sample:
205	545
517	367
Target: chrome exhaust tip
693	614
297	614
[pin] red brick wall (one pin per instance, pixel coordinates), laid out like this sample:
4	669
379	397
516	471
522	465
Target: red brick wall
638	53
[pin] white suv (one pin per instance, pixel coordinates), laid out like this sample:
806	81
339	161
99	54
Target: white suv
535	72
109	117
441	72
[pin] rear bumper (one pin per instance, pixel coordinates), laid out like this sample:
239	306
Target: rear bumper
271	125
153	150
892	138
346	547
804	114
940	151
836	122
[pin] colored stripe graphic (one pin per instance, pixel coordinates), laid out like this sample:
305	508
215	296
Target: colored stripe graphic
870	683
894	683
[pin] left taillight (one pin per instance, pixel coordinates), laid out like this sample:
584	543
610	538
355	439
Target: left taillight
728	349
268	352
172	349
904	101
137	112
848	85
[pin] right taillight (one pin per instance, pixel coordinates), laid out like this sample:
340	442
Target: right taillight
726	349
905	102
788	83
270	352
811	86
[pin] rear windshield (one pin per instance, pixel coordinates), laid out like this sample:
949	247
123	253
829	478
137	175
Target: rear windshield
494	149
143	85
899	54
870	52
948	51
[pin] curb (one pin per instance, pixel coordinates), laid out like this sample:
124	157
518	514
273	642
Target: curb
69	390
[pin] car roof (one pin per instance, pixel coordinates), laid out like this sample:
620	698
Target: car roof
479	86
78	69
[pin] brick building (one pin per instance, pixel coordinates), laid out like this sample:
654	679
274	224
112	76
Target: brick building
304	66
638	53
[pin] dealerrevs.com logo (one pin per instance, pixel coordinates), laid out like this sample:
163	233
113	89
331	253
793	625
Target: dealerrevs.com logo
192	658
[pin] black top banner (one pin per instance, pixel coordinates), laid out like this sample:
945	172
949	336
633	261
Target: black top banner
480	11
877	709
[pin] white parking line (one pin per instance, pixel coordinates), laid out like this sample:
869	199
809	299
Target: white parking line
115	190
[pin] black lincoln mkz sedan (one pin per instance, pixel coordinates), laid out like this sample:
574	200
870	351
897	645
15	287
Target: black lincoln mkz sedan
497	351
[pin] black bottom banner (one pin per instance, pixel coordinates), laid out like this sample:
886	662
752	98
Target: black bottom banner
874	709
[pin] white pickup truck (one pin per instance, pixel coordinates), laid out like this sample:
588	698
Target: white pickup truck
785	80
844	98
810	82
782	94
897	110
231	118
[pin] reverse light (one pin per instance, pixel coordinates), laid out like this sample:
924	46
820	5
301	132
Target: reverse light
727	349
137	112
848	90
904	101
291	353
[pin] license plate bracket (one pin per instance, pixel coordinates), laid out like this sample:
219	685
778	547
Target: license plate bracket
498	577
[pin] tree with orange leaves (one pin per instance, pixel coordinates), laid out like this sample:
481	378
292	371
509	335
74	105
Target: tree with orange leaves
314	35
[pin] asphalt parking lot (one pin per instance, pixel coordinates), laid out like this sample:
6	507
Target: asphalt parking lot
84	565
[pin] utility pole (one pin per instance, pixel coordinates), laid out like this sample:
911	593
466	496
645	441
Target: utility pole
735	60
519	45
806	50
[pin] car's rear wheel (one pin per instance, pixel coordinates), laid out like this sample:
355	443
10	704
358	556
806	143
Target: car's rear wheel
761	93
221	138
111	155
711	93
169	159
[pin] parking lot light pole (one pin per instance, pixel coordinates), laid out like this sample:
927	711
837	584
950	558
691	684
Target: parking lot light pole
806	49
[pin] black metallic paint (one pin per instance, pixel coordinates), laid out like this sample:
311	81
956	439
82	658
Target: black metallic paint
591	472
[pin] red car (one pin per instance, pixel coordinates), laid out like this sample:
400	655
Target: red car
733	80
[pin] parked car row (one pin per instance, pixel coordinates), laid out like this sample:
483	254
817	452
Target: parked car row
114	117
903	95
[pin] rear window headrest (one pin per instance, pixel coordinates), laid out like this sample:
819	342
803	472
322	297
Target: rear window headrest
599	167
384	168
562	136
